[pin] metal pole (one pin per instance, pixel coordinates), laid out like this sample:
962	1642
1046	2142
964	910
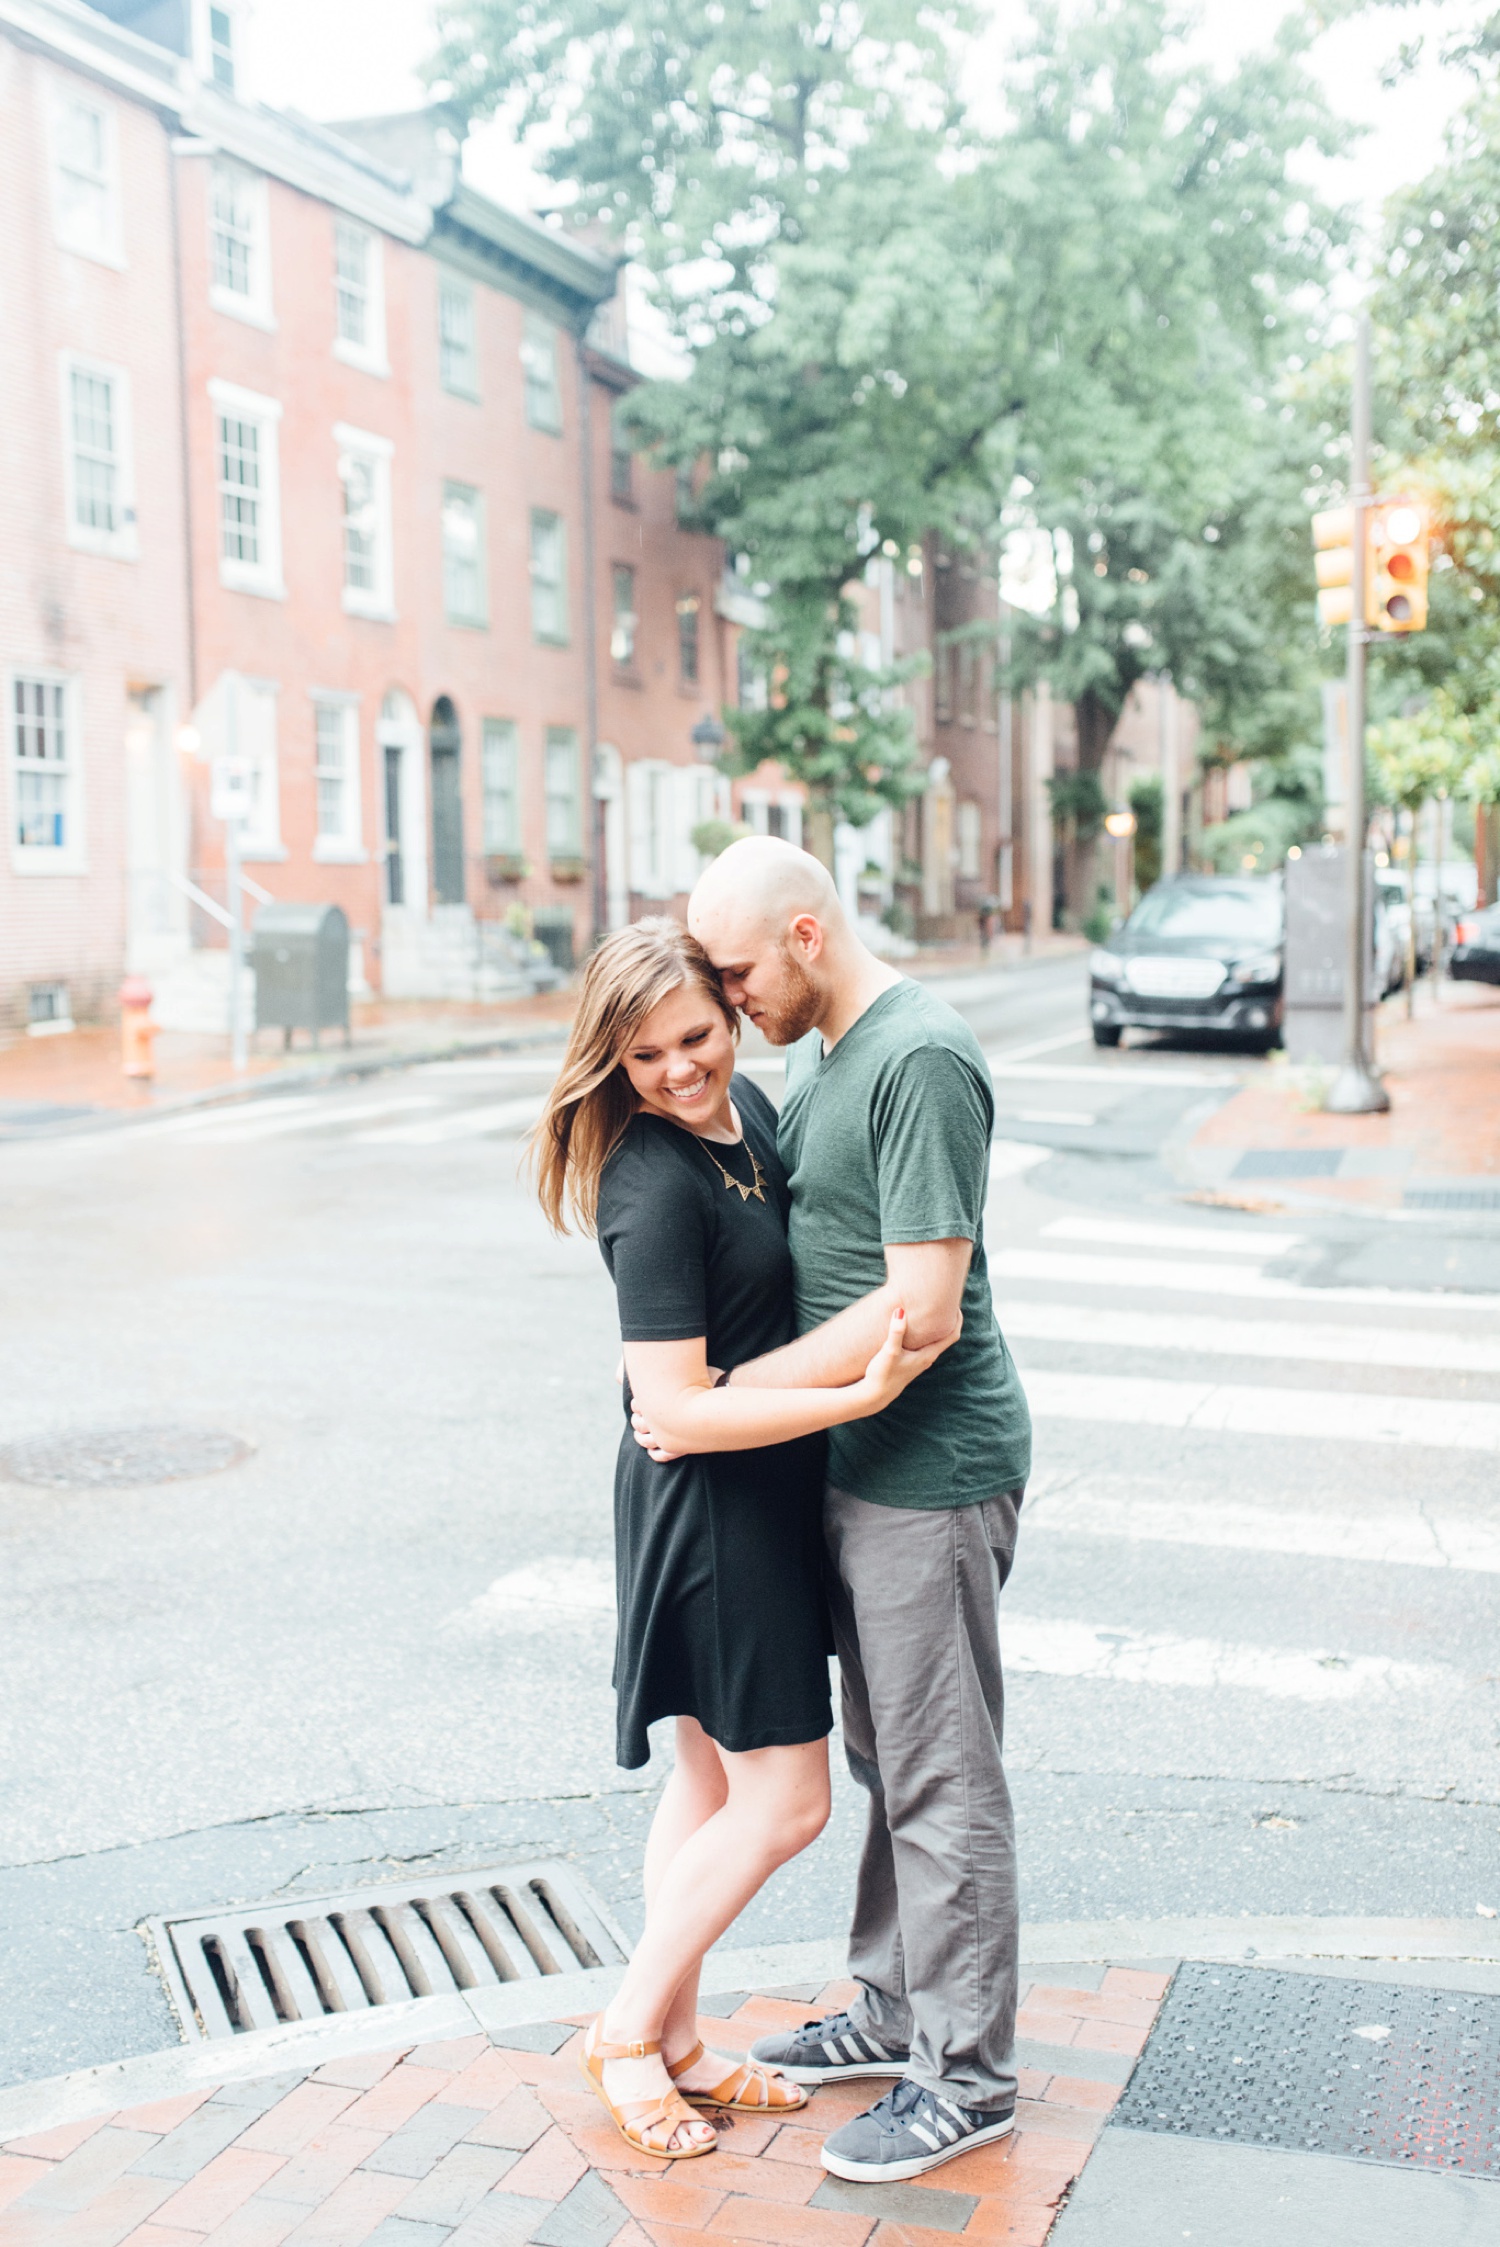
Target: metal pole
1356	1091
236	899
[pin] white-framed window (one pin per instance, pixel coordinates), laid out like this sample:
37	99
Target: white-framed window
621	458
239	243
359	297
220	56
562	789
967	821
255	734
336	773
687	638
549	577
650	802
364	466
543	384
248	475
624	621
46	774
98	477
500	772
86	176
465	599
458	348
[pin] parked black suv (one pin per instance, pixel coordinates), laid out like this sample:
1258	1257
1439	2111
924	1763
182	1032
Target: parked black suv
1198	953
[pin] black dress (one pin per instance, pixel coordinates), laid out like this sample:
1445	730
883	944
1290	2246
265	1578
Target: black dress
718	1556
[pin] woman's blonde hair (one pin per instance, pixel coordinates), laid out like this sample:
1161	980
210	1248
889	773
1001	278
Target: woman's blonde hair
593	1100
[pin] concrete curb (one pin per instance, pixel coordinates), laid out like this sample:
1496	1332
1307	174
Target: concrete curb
301	2046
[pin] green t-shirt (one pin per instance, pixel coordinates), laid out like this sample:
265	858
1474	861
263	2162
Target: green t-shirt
887	1139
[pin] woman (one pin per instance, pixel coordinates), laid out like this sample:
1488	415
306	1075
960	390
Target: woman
651	1141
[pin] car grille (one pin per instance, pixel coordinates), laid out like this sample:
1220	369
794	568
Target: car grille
1168	978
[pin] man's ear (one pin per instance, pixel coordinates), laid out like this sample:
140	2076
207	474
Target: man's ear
806	932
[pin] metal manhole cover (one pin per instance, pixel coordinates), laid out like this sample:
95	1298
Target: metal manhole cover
119	1458
1308	2062
300	1958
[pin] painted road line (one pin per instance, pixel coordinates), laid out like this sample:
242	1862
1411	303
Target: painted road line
1051	1116
318	1118
1252	1338
543	1593
1118	1232
203	1119
1218	1279
1421	1533
1041	1647
1072	1072
463	1123
1004	1055
1009	1157
545	1064
1440	1423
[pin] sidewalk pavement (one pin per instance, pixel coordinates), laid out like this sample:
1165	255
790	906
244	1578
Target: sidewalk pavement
451	2139
75	1081
1438	1148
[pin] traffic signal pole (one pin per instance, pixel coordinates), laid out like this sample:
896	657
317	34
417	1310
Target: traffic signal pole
1356	1090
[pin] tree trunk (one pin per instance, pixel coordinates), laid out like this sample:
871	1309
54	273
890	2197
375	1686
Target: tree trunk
1096	725
817	829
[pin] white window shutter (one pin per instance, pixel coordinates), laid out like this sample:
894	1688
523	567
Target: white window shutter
688	793
638	820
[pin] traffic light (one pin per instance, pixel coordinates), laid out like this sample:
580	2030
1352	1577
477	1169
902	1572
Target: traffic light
1333	539
1396	583
1395	565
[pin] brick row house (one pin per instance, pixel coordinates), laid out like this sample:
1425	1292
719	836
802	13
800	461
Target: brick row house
312	459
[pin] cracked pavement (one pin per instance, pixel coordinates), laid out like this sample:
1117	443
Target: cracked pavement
287	1678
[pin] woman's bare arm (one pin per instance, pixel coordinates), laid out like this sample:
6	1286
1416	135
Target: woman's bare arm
672	1388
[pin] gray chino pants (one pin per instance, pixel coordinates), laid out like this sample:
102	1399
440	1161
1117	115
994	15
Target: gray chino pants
933	1946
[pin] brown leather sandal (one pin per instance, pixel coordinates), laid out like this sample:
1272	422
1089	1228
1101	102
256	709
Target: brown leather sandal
752	2089
635	2119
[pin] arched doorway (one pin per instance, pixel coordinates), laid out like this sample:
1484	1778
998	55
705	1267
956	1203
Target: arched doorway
445	744
400	780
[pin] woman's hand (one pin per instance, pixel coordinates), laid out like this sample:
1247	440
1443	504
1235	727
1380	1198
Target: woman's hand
894	1367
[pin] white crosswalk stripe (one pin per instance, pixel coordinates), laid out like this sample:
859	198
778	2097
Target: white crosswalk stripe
1341	1416
1250	1338
1215	1279
1122	1232
1062	1648
460	1123
1417	1533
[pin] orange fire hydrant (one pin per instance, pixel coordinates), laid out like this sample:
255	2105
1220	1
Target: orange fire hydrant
137	1030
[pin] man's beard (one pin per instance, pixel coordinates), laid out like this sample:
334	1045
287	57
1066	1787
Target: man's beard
796	1007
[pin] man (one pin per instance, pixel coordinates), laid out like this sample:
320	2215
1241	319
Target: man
885	1133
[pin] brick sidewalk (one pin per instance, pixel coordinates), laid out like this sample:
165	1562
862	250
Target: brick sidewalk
1442	1072
491	2144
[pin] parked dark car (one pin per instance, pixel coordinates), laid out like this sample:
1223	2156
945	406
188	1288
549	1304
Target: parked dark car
1475	958
1198	953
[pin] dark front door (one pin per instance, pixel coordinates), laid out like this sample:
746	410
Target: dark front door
447	816
395	873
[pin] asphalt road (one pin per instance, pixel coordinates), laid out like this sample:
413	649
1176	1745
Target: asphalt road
1250	1636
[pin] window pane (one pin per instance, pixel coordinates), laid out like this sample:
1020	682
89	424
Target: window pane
95	497
549	614
561	770
463	555
83	176
621	459
622	635
361	522
501	757
39	745
233	208
352	294
539	359
334	722
687	637
221	47
457	360
239	489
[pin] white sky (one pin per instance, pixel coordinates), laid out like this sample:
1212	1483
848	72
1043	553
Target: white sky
350	58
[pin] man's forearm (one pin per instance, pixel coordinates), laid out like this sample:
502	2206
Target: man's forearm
827	1356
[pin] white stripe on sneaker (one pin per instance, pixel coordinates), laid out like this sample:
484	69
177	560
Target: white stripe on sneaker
928	2137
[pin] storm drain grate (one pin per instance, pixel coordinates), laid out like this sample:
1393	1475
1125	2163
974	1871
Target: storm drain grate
1249	2056
299	1959
1451	1197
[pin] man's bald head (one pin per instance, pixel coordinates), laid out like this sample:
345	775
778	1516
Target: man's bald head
760	885
769	918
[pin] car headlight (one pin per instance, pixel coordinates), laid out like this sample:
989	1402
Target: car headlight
1264	968
1105	967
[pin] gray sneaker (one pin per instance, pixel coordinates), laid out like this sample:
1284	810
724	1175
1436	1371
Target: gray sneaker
910	2131
827	2051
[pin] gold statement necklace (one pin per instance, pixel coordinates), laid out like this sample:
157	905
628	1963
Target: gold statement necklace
755	1190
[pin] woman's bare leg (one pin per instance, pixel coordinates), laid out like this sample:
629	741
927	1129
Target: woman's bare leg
696	1791
775	1802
